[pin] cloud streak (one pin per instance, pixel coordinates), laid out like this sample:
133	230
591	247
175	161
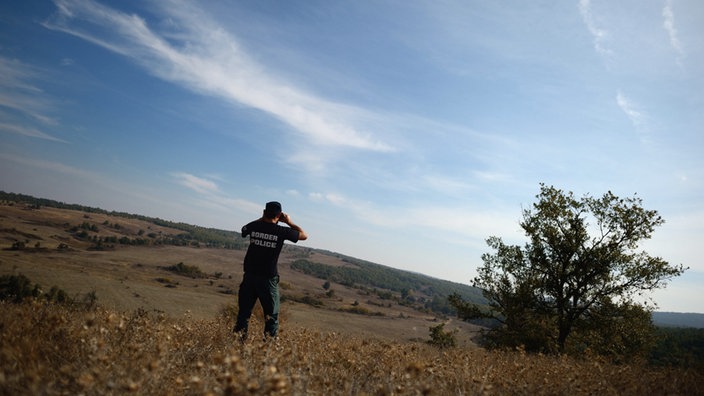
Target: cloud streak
210	196
30	132
669	25
197	184
23	100
630	109
599	35
51	166
205	58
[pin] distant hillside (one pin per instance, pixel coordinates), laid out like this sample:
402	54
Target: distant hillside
412	287
208	237
406	288
677	319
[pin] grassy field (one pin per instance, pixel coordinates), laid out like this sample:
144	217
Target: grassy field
52	349
157	332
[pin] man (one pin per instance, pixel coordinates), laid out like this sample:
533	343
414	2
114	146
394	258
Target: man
261	275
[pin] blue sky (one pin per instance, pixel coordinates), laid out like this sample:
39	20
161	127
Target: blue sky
404	133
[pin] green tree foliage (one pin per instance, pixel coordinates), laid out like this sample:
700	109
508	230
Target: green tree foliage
622	332
441	338
57	295
17	288
681	347
579	273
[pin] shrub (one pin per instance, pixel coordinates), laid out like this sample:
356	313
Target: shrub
441	338
18	245
16	288
187	270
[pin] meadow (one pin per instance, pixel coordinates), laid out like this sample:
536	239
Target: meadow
60	349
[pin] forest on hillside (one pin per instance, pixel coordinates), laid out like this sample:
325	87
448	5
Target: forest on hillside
413	289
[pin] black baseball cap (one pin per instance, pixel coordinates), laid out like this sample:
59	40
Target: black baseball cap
273	208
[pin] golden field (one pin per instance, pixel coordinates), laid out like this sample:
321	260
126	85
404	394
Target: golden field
54	349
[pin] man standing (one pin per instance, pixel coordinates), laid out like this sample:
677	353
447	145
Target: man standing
261	275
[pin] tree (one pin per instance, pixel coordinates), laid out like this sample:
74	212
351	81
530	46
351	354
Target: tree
16	288
581	264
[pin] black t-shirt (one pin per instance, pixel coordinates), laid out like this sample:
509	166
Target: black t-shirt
265	243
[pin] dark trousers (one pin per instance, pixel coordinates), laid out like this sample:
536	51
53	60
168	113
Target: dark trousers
266	290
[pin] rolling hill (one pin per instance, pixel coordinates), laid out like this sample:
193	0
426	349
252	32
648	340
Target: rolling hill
169	288
130	262
124	259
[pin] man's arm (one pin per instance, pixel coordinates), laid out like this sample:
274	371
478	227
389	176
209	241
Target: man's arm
286	219
245	231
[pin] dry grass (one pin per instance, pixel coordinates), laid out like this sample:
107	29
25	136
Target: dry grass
52	349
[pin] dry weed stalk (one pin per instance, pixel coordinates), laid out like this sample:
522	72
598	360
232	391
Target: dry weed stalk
52	349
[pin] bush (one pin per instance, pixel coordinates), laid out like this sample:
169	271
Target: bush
356	309
187	270
441	338
18	288
18	245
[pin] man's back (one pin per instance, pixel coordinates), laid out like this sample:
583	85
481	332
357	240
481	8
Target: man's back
265	243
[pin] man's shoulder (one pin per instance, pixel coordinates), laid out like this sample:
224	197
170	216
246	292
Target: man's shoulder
262	226
252	223
251	226
269	228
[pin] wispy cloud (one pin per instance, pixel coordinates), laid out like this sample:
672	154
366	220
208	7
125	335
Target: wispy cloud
205	58
52	166
24	101
669	25
631	110
210	196
197	184
16	75
599	35
27	131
